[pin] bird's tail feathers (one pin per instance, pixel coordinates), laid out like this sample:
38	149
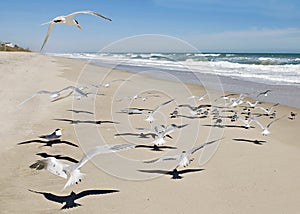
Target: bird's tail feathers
75	177
68	206
46	23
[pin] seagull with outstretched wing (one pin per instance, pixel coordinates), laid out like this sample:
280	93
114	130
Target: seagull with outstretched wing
69	20
182	158
150	114
60	169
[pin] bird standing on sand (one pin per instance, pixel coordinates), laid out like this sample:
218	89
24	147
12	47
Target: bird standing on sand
293	115
69	20
54	135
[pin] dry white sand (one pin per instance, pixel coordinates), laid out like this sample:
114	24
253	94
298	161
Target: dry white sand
237	177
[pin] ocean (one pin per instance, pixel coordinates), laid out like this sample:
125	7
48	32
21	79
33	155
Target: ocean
236	72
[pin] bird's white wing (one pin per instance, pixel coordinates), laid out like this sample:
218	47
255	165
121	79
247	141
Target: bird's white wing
268	126
165	103
165	158
195	149
103	149
89	12
258	123
172	127
51	25
73	88
52	165
262	108
37	93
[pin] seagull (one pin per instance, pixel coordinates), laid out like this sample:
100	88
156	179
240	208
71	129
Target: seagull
69	200
161	134
253	105
226	97
54	135
233	102
174	113
247	122
55	94
268	110
150	114
60	169
293	115
184	158
265	93
266	128
69	20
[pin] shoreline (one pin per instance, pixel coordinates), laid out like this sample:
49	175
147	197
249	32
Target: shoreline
240	176
284	94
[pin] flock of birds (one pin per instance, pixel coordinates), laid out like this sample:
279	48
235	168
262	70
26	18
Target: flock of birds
239	110
234	108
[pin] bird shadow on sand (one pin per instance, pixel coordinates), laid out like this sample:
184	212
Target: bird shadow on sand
192	117
256	142
96	122
80	111
45	155
174	173
227	126
139	135
49	143
69	200
155	147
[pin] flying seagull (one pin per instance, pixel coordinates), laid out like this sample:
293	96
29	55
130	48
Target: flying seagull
264	93
60	169
69	200
150	114
69	20
268	110
266	128
55	94
184	158
253	105
161	134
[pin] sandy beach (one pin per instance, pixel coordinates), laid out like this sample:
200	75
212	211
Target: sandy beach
234	175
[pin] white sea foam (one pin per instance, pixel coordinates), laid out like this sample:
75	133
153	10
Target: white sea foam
267	68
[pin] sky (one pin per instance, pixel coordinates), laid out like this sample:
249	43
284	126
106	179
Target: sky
204	25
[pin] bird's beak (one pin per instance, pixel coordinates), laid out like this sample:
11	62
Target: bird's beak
62	129
79	27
